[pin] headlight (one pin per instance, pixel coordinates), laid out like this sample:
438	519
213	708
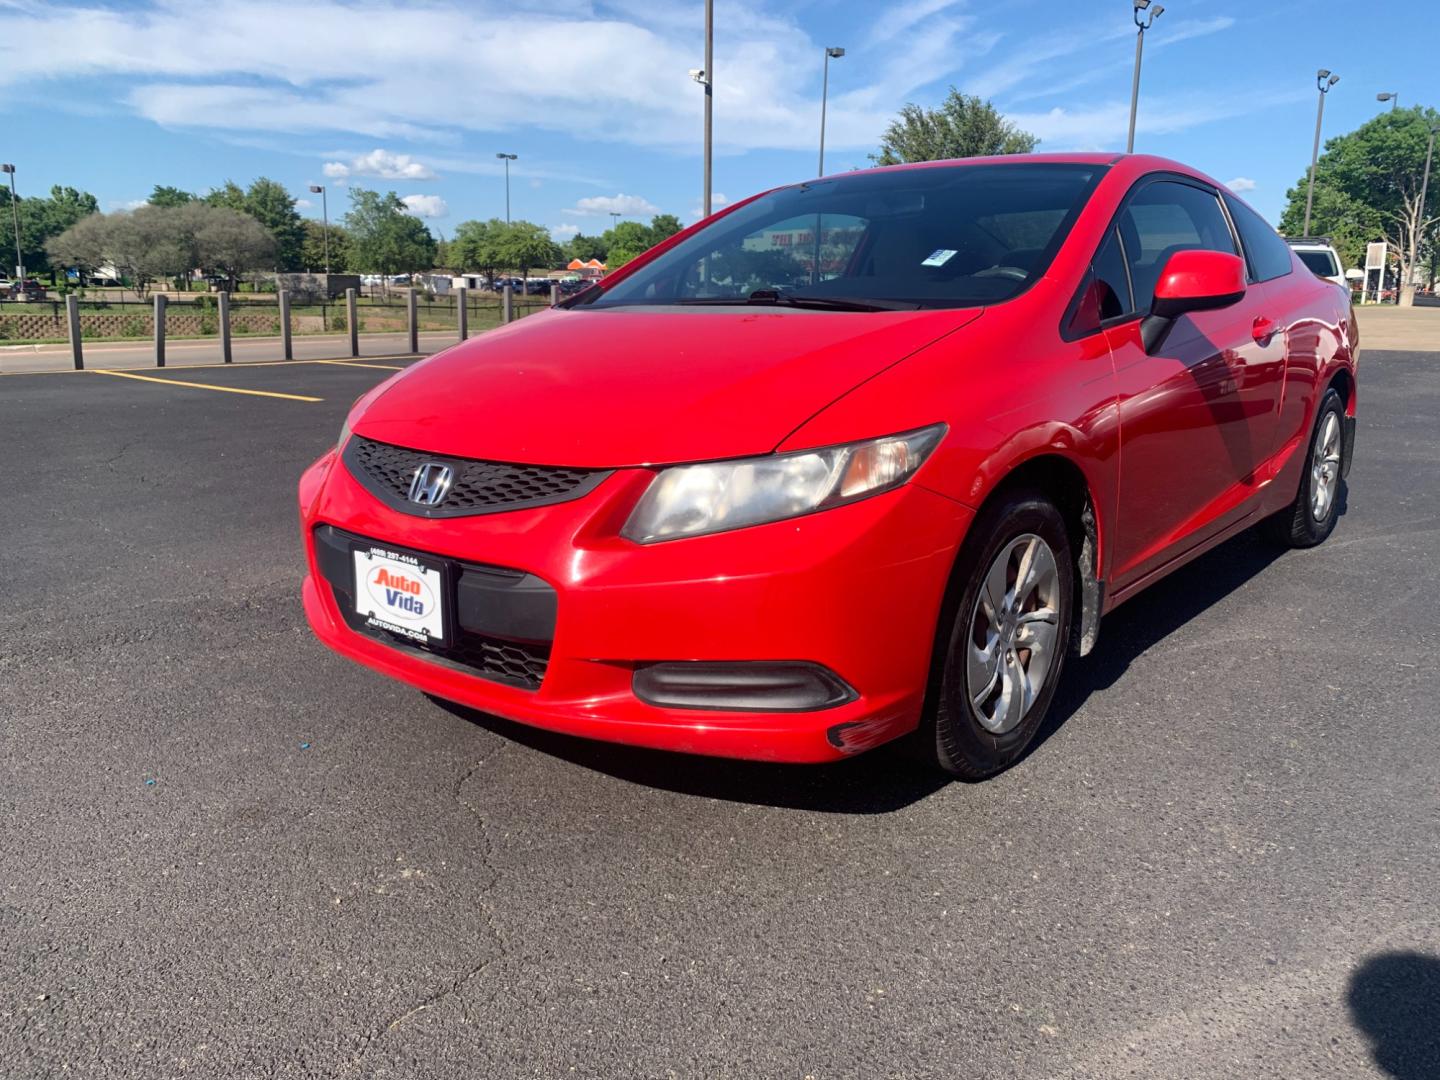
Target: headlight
689	500
344	436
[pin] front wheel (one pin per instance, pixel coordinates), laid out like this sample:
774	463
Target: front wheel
1008	633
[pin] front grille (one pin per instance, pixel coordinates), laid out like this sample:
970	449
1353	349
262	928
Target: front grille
504	619
477	487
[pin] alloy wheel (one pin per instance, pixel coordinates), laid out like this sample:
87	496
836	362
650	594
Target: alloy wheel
1325	467
1011	650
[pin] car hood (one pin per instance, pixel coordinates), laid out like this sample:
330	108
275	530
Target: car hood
610	388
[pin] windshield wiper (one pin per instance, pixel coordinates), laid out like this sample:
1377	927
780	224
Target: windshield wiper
828	303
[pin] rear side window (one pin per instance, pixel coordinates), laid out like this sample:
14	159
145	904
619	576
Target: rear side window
1162	219
1268	254
1319	262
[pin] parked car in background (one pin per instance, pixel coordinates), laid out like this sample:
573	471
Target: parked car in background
5	286
1320	258
857	459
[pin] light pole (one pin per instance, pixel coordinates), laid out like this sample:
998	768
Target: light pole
1324	80
615	217
1406	296
15	216
1145	16
1393	97
705	77
507	158
325	216
834	52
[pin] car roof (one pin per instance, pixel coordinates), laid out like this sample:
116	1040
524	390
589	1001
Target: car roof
1126	168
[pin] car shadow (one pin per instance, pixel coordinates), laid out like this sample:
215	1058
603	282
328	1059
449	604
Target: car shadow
889	778
1394	998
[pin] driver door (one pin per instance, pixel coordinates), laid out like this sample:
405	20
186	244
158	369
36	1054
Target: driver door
1196	417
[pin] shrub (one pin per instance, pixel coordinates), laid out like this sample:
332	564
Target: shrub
134	326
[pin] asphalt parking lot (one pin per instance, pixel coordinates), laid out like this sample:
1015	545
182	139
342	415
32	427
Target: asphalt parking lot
227	852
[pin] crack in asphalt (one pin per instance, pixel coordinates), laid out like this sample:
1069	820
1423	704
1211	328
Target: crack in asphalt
435	997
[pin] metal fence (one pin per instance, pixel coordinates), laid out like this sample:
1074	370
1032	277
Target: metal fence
226	316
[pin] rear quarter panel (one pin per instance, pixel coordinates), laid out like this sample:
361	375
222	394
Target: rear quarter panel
1321	340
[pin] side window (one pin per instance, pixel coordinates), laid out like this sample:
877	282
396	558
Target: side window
1112	279
1268	254
1105	292
1162	219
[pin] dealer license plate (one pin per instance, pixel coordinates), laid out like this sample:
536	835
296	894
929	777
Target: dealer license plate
400	594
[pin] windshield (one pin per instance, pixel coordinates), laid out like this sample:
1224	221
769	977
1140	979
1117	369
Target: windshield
1319	262
894	238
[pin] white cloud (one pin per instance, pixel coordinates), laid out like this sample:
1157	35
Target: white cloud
1102	125
563	232
255	68
425	206
1240	183
127	204
717	200
627	205
303	204
382	164
1034	64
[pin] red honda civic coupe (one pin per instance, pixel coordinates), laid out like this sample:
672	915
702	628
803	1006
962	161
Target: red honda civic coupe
859	458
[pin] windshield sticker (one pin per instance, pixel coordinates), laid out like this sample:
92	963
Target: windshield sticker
939	257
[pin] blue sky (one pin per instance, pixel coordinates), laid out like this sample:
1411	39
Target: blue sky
596	101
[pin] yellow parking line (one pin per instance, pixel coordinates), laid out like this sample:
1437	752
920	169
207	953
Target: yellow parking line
205	386
355	363
239	364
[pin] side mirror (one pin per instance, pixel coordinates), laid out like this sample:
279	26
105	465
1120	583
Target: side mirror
1191	281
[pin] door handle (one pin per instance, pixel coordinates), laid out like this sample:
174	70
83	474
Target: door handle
1262	329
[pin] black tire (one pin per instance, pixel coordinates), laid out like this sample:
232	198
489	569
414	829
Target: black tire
952	736
1297	526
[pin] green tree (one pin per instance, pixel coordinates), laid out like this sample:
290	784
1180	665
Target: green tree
524	245
963	126
624	241
158	241
662	227
230	195
627	239
312	249
475	247
384	239
585	248
164	195
42	219
1367	187
271	205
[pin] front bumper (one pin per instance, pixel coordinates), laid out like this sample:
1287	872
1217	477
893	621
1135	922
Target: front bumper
856	589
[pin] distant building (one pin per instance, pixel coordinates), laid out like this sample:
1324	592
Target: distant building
589	270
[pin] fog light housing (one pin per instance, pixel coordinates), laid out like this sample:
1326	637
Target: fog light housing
741	686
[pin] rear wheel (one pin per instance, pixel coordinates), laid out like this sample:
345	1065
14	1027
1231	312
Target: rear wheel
1311	517
1005	639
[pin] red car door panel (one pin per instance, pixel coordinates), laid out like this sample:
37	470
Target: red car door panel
1197	417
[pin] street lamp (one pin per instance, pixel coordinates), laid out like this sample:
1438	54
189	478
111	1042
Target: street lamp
15	215
1145	16
831	52
1324	80
1393	97
615	217
1407	288
507	158
325	215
